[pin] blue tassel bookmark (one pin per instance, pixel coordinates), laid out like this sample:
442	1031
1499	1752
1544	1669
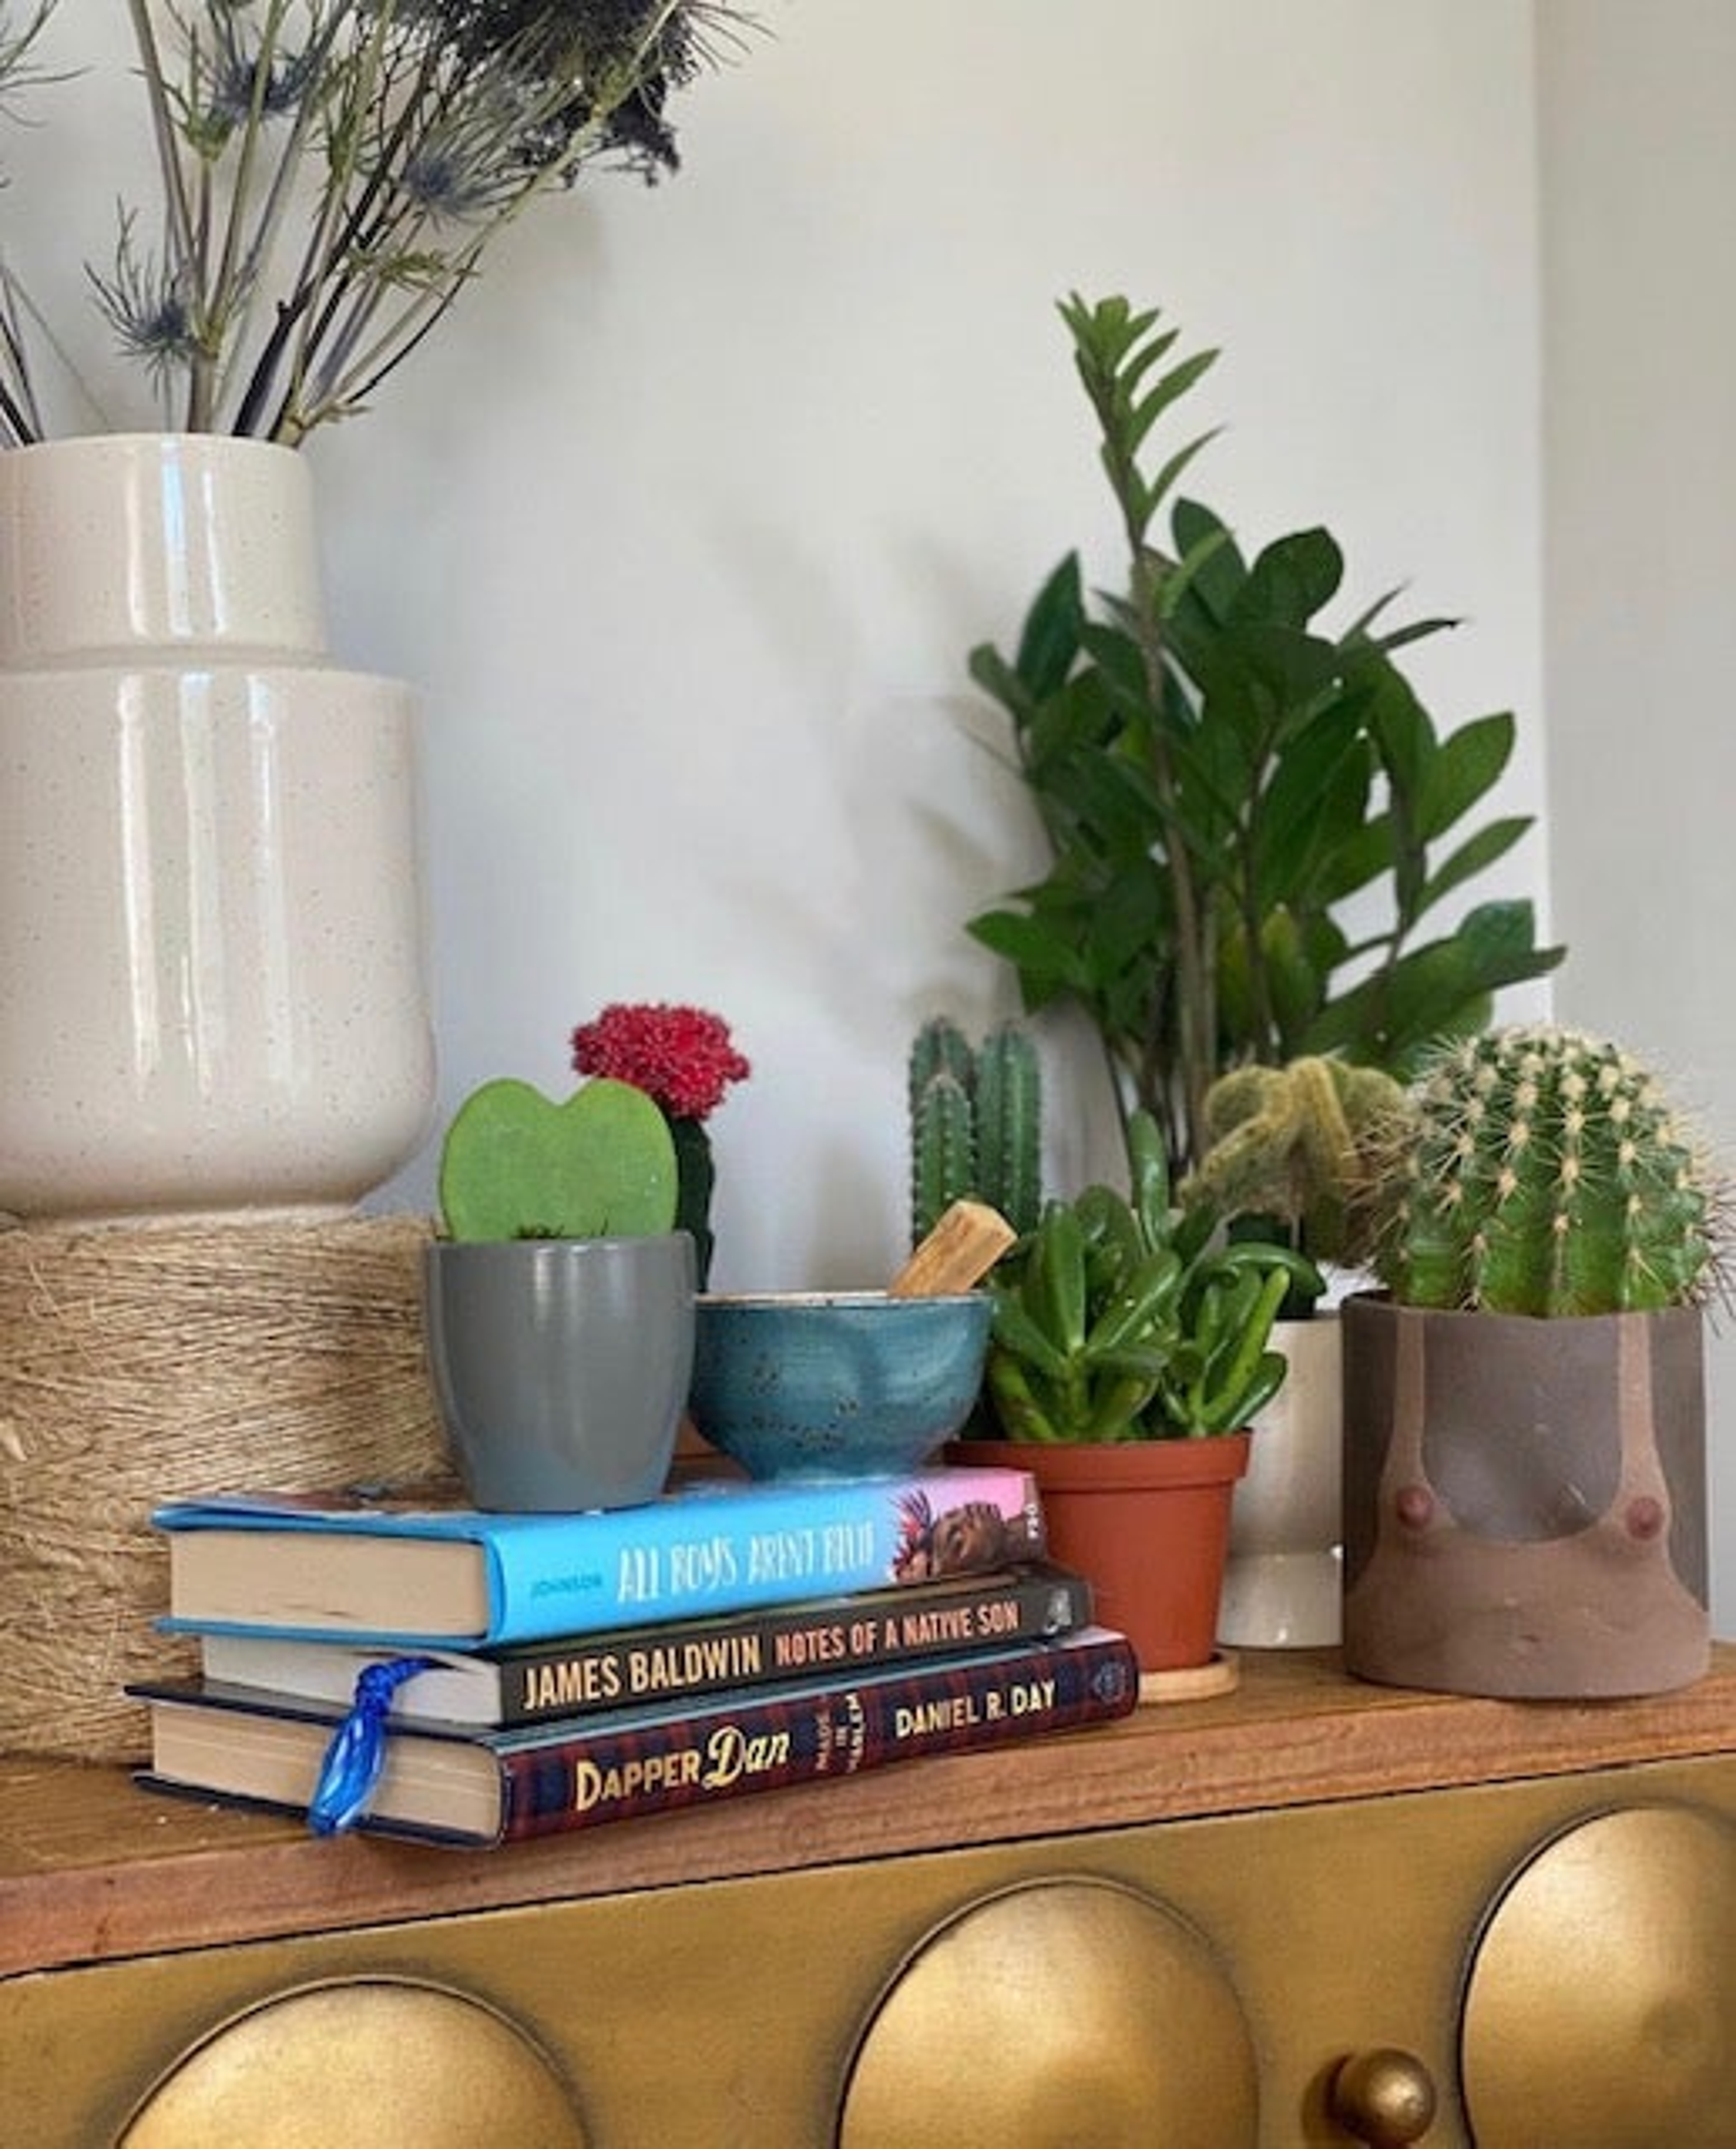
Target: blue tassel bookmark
357	1753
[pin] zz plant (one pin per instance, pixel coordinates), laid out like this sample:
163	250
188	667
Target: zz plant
1254	823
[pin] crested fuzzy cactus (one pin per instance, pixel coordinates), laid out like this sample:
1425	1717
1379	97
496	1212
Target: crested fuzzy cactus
1301	1144
1545	1174
975	1125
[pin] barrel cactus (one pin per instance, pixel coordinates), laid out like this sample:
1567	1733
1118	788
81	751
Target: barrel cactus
976	1124
1543	1172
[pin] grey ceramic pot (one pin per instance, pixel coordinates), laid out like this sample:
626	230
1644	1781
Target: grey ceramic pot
562	1366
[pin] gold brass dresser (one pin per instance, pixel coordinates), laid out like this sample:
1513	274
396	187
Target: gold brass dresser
1309	1912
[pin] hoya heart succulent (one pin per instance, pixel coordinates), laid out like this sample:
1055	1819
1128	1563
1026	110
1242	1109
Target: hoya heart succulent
517	1165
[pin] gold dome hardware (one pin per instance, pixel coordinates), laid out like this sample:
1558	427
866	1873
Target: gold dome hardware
360	2059
1384	2099
1063	2014
1633	2048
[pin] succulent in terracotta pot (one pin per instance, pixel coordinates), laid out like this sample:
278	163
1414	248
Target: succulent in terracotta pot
1130	1348
1123	1317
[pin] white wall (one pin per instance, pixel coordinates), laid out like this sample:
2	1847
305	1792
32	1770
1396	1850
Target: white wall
685	523
688	525
1639	174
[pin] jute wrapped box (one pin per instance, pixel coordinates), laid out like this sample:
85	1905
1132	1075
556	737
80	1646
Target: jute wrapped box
141	1363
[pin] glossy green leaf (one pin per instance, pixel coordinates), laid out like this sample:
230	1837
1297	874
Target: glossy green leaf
1292	579
1050	639
1468	763
1474	856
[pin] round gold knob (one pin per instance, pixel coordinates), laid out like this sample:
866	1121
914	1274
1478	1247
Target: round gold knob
1384	2099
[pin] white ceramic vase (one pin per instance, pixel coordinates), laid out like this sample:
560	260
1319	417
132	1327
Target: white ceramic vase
212	995
1283	1583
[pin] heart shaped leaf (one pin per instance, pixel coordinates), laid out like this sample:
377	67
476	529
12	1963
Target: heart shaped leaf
517	1165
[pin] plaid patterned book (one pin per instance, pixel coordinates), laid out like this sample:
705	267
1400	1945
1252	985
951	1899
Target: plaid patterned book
449	1784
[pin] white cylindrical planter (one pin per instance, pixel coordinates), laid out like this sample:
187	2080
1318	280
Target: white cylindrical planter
212	994
1283	1582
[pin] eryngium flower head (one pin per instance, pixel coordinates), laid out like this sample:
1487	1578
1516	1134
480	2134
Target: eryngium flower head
146	305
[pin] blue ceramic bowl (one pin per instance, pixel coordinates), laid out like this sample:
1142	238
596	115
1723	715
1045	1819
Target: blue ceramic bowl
846	1384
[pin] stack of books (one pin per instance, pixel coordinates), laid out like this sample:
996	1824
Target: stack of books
515	1675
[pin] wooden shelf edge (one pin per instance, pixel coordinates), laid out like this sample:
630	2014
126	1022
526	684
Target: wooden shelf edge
93	1869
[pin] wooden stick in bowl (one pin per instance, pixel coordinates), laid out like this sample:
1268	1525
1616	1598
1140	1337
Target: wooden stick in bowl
967	1242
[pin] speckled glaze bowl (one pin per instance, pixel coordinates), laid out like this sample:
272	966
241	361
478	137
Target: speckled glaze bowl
839	1384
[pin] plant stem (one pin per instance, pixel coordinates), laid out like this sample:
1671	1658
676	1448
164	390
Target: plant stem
178	211
1113	353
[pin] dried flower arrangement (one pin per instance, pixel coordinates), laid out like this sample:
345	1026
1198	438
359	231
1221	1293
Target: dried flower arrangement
333	172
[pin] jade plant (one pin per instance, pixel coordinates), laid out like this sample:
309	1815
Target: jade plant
517	1165
976	1124
1254	823
1125	1316
1540	1170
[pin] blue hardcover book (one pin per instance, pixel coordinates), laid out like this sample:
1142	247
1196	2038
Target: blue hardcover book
406	1576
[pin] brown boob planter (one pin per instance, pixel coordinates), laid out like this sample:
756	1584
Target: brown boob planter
1525	1501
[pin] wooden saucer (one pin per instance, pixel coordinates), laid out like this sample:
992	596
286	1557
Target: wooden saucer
1221	1673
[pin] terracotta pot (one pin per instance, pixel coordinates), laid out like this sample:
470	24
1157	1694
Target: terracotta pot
1148	1521
1525	1501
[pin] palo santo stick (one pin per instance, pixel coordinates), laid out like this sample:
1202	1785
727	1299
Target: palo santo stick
967	1242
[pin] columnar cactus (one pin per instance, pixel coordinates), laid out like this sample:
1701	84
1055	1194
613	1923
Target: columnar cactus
940	1047
975	1125
1545	1175
1008	1125
943	1149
